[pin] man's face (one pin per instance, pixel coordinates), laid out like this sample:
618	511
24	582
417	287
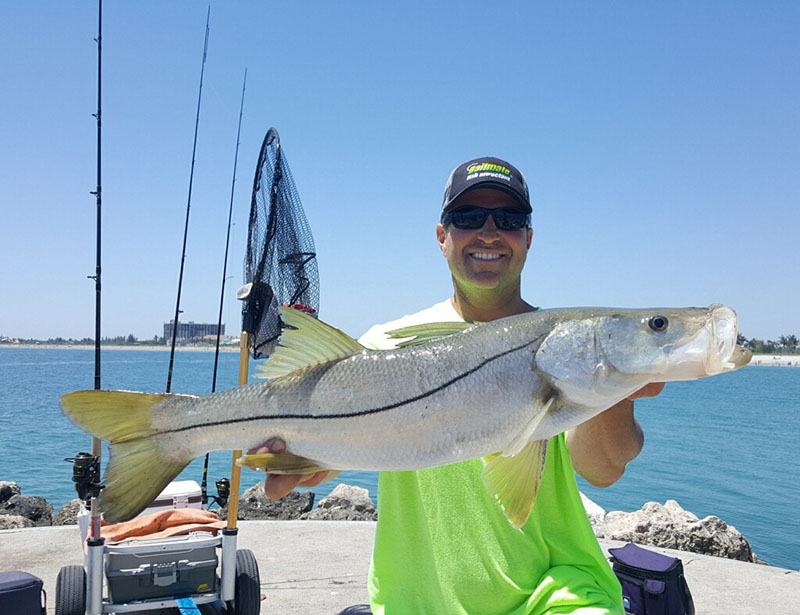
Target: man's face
485	258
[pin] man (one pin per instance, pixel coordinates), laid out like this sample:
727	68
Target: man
442	544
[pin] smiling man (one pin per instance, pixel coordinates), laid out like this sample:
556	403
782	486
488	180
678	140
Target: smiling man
442	544
485	235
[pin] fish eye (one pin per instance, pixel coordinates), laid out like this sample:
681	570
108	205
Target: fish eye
658	323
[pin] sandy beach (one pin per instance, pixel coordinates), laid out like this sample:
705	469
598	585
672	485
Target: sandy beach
791	360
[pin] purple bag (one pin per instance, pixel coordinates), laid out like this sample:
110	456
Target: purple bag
652	583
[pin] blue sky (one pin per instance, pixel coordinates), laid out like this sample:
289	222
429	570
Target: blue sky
661	143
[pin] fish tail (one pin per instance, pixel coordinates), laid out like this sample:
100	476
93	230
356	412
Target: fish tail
136	471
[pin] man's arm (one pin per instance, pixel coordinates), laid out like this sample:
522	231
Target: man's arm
601	447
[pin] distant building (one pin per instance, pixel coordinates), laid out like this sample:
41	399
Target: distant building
191	330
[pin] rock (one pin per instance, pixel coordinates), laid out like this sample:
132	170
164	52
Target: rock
68	513
594	511
345	503
671	527
7	490
34	507
254	504
12	522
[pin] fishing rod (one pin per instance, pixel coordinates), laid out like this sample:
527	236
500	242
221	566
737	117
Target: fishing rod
188	208
228	235
98	193
86	467
204	483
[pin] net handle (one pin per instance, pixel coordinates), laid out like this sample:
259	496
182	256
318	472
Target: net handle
236	471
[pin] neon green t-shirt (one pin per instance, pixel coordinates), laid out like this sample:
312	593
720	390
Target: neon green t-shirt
444	546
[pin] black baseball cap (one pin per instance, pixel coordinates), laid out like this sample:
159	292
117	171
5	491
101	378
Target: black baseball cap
486	172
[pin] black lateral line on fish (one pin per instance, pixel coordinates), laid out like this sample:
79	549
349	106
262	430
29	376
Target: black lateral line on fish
349	415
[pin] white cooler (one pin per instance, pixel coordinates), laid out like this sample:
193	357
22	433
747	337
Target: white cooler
178	494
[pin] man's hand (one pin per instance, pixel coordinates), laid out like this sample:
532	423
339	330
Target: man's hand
280	485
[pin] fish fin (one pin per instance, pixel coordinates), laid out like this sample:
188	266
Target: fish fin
136	474
306	342
279	463
137	471
423	333
522	439
514	480
489	457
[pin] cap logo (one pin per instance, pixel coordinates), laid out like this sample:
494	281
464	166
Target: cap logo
487	166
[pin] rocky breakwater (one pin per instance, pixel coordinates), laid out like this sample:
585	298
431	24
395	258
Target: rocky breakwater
671	527
345	503
17	510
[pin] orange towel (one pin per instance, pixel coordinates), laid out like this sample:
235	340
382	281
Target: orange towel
162	524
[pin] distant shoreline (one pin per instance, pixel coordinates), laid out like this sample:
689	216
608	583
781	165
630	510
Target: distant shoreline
777	360
222	348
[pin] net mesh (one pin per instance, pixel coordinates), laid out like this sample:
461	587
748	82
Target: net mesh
281	262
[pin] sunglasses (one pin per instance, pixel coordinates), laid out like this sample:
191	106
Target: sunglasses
473	217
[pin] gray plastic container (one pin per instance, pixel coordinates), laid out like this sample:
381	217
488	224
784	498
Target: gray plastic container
166	568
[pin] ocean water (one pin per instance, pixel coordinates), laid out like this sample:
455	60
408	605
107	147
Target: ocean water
725	446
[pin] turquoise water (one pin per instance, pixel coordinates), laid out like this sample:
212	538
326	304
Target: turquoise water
725	446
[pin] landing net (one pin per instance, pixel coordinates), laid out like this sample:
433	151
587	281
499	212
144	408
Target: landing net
281	262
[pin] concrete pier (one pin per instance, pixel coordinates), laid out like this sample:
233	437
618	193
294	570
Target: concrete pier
320	567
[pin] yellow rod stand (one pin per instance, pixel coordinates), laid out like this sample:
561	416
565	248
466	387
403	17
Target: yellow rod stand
94	506
236	471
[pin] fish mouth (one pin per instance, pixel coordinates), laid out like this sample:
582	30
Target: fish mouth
712	350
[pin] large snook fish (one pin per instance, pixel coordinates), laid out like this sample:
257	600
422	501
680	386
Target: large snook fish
453	391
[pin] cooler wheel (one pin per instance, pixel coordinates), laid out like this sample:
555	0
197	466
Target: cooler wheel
71	591
247	590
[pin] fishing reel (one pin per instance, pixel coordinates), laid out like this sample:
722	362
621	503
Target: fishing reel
223	492
86	476
257	297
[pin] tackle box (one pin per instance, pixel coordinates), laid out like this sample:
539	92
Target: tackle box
168	567
178	494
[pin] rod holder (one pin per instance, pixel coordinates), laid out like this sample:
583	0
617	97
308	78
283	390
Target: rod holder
94	578
228	581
